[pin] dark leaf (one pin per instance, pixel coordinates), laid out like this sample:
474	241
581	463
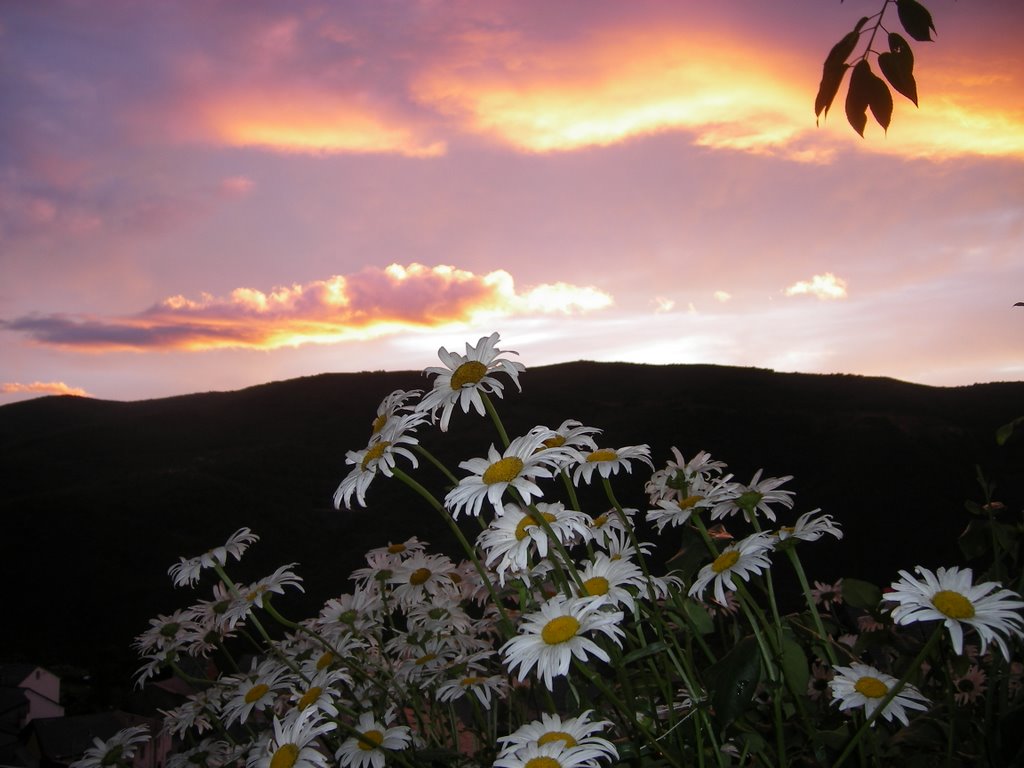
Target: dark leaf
881	101
733	679
858	96
834	69
916	19
898	67
861	594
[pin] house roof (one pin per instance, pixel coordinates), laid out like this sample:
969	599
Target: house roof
13	674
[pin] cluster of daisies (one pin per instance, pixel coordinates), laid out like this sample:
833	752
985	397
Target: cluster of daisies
499	658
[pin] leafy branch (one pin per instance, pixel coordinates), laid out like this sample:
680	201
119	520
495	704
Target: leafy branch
867	90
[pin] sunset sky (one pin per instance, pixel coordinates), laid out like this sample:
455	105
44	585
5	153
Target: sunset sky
209	195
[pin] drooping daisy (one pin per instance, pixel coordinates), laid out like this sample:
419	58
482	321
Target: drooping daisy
374	742
810	528
758	496
948	595
742	559
524	461
295	742
607	461
212	753
273	584
969	686
118	750
378	456
464	377
674	479
827	595
188	569
393	404
483	686
549	638
509	540
861	685
579	731
617	580
572	434
166	632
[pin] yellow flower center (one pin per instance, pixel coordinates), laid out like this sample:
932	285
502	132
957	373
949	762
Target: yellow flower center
725	561
554	442
503	470
378	424
419	576
256	693
550	736
529	522
560	630
542	762
600	520
871	687
285	756
374	736
468	374
396	549
309	697
425	659
467	681
602	454
953	604
596	585
690	502
325	660
374	453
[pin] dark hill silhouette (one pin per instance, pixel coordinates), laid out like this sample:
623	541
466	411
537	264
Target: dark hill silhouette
99	498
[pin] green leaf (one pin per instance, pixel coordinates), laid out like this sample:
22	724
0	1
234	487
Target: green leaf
794	664
1005	432
642	653
861	594
880	101
898	67
733	679
699	618
834	68
916	19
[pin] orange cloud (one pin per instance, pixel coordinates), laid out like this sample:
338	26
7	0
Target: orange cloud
728	91
41	388
367	304
618	84
285	119
824	287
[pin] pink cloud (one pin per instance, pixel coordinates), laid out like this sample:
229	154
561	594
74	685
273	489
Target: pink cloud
367	304
41	388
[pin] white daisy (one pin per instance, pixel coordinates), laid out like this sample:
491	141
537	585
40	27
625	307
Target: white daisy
608	461
211	753
368	749
524	461
948	595
550	638
187	570
295	742
119	749
378	456
483	687
573	434
256	691
390	406
756	497
675	509
509	540
553	754
742	559
579	731
861	685
422	577
613	579
464	377
275	583
809	528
